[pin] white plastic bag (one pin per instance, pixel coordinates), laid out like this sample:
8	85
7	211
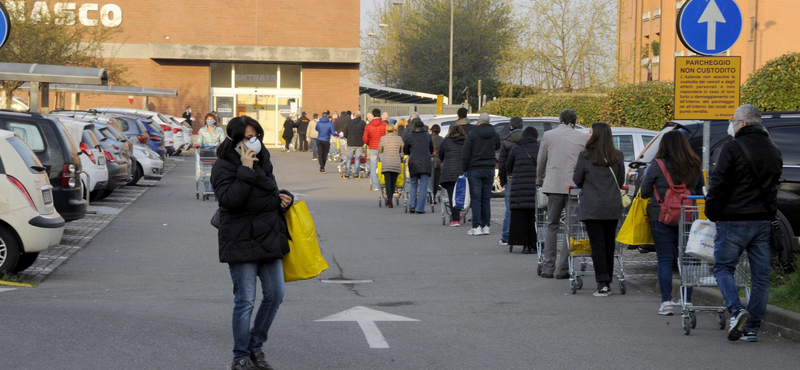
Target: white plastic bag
701	240
461	199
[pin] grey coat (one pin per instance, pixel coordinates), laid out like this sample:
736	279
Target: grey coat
390	148
599	198
654	178
558	153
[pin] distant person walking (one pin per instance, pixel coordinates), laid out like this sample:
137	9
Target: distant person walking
419	149
508	143
253	237
558	153
743	201
302	131
312	136
288	132
373	133
326	132
187	115
478	161
600	172
340	124
450	155
521	163
390	149
683	167
354	133
437	163
463	121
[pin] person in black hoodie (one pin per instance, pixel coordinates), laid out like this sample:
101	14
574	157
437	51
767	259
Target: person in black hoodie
450	155
419	148
288	132
302	129
354	133
502	172
253	237
521	164
478	161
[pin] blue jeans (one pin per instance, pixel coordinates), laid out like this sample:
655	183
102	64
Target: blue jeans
733	238
353	152
418	196
480	192
507	218
373	168
665	238
313	148
244	277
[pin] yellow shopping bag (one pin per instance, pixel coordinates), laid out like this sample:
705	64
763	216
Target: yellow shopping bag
579	246
304	261
400	178
636	228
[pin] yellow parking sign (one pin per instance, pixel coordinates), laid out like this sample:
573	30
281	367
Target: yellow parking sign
707	88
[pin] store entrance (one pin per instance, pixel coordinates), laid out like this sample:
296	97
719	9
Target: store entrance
262	109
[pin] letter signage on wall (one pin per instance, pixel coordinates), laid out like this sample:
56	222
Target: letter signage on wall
68	14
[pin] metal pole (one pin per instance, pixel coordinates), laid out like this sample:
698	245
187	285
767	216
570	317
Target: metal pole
479	94
706	147
34	97
450	88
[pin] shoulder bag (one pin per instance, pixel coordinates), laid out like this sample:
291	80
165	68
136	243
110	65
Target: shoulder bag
626	200
776	235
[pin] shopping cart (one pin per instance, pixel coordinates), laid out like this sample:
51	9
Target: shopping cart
700	273
205	156
541	230
445	202
363	168
399	190
579	247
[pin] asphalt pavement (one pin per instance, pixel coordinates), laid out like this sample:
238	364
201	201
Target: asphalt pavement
148	292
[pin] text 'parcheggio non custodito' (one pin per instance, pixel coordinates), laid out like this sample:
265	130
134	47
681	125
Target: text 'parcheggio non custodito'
706	87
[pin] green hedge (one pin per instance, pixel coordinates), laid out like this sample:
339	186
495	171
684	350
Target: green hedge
586	106
776	85
647	105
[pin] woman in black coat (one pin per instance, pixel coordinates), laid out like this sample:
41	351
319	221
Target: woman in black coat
288	132
450	155
521	166
419	148
253	237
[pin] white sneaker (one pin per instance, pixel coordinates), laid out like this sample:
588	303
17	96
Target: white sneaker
666	308
475	231
500	242
485	230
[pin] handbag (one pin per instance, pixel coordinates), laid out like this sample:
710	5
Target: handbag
635	229
304	260
701	240
626	200
215	219
461	199
776	238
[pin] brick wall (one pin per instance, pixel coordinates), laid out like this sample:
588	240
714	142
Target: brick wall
330	87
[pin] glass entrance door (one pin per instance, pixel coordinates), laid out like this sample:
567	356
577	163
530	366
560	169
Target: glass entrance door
262	109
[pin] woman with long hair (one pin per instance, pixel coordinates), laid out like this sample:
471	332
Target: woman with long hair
450	155
390	151
253	237
683	167
599	173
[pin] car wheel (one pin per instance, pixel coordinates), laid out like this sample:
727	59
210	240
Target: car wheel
105	194
9	251
784	260
498	191
96	195
25	260
138	175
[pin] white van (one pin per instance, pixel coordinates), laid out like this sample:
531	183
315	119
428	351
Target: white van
93	159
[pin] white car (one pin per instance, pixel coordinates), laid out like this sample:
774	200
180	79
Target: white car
164	123
631	141
95	174
29	222
181	134
151	167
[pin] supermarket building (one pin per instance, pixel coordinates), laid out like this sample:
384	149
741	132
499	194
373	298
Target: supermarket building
264	58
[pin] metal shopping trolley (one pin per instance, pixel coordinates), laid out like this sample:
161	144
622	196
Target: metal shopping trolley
579	247
696	272
205	156
541	230
400	190
360	161
445	203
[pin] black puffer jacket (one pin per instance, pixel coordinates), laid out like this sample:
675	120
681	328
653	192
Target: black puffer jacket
521	164
450	155
419	148
354	132
479	148
252	225
508	143
288	129
734	194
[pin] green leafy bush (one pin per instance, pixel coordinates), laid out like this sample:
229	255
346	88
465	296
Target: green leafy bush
776	85
646	105
588	107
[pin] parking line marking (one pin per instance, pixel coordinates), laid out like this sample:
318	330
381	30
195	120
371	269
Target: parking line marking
7	289
20	285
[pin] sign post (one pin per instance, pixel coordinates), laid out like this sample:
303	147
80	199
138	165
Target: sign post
130	100
439	104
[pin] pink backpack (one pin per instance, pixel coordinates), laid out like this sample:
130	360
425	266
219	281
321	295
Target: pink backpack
675	197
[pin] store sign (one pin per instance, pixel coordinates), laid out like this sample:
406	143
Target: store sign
256	77
68	14
707	88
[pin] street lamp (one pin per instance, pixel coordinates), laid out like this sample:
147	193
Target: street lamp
386	64
450	89
400	48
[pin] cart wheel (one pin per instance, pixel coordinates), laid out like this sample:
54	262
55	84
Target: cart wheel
686	326
539	270
583	266
511	248
380	203
580	282
433	209
204	197
622	288
721	320
197	195
572	287
693	319
443	221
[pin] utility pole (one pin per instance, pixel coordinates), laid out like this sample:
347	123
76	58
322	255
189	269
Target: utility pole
450	89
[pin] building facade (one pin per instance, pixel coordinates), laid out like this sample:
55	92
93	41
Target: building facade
647	39
262	58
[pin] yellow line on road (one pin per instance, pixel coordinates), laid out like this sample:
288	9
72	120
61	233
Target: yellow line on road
23	285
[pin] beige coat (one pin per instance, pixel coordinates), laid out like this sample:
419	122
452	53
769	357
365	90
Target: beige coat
312	129
390	149
558	155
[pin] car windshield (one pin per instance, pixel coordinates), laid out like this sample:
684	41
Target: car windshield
25	152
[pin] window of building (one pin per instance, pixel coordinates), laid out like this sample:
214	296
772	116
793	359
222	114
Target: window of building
255	75
290	76
221	75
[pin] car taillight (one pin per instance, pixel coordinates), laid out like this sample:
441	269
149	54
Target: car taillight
22	190
155	138
176	130
68	176
88	151
116	147
165	127
142	138
109	156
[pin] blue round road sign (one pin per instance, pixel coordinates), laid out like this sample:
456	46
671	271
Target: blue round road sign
710	27
5	25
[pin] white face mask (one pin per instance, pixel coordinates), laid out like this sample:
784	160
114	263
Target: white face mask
731	130
253	144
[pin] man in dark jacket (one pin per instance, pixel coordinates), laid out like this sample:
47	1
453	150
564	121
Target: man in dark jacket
463	121
302	129
478	161
508	143
742	200
354	133
187	115
419	148
288	132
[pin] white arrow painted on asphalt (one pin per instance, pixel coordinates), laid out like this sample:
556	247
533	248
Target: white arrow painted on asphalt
7	289
366	318
711	16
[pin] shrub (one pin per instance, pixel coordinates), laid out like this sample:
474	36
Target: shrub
646	105
776	85
588	107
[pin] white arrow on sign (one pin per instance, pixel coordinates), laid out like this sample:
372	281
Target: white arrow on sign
711	16
366	318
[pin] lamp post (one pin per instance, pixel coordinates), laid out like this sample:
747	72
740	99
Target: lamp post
400	47
450	89
386	65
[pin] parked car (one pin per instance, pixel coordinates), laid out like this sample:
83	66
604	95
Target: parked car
784	129
156	138
119	172
94	177
50	141
178	136
29	222
445	121
162	123
123	148
149	164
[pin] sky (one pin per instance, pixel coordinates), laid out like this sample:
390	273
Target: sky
367	6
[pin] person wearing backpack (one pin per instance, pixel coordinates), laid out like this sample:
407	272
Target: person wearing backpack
599	173
675	171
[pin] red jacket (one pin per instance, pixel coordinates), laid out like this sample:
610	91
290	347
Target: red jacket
373	133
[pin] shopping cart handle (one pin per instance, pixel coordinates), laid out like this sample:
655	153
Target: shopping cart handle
626	187
575	187
694	197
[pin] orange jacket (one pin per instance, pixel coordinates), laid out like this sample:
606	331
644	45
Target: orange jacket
373	133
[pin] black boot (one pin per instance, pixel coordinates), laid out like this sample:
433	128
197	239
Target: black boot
260	361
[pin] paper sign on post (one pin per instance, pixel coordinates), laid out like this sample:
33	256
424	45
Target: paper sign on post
707	88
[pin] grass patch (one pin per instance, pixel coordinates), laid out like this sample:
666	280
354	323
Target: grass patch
16	279
784	290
